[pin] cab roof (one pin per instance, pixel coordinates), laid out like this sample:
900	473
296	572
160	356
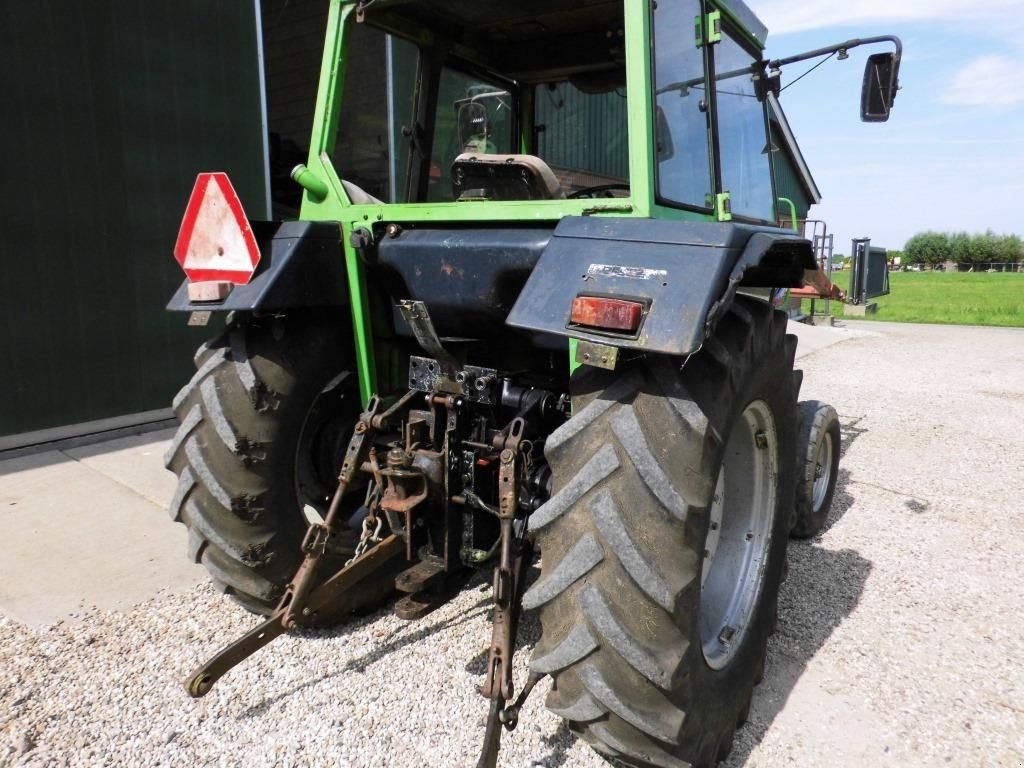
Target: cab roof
527	40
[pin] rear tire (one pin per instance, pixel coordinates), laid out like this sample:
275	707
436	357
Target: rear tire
818	444
653	645
264	422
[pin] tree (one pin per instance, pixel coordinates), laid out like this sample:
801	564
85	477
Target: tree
927	248
1011	250
963	248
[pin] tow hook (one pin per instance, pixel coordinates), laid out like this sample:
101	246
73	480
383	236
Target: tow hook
501	716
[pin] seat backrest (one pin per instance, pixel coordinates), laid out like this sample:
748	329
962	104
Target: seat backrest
503	177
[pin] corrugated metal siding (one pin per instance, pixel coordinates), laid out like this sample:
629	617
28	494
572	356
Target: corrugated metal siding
361	152
293	40
110	111
293	32
787	183
584	132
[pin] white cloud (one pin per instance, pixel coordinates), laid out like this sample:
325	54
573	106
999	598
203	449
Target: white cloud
784	16
990	79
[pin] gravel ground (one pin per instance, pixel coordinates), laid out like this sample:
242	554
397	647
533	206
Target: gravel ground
900	641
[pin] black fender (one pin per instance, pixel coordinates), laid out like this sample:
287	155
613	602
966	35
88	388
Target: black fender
686	273
302	264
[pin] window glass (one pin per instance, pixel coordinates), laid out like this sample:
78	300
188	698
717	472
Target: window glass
583	137
742	134
360	153
472	116
402	64
681	125
369	151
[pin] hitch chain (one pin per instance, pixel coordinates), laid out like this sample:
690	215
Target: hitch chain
305	595
372	527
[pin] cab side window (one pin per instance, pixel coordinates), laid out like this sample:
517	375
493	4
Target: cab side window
742	133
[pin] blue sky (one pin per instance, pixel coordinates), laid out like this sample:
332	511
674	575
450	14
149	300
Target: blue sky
951	157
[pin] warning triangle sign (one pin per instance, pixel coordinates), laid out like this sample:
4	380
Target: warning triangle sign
215	241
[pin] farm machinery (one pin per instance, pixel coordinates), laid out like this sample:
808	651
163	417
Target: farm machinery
543	329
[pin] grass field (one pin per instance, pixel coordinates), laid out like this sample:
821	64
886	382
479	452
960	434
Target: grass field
952	298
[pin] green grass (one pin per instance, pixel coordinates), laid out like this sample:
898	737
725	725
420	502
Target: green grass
952	298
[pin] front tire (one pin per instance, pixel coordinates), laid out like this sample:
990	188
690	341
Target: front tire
818	444
663	546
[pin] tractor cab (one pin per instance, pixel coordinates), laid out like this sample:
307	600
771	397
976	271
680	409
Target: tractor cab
663	107
492	103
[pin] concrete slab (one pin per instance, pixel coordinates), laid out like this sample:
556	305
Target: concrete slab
135	462
813	338
860	310
89	528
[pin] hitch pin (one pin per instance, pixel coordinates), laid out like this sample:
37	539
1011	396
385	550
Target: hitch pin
509	716
499	716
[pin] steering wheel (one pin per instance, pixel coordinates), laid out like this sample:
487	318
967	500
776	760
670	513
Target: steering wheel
600	190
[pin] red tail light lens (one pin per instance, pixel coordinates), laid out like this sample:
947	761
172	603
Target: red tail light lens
606	314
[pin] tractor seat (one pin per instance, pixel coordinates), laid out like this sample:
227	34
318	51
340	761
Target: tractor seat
503	177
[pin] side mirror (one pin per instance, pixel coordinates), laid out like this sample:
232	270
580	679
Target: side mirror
662	136
881	81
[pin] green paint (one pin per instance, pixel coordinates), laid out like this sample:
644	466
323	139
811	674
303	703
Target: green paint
573	363
639	101
794	222
714	27
336	206
333	204
361	327
723	206
310	182
708	28
325	120
526	121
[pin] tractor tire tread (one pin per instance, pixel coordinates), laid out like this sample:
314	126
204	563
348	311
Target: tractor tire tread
231	420
635	472
815	419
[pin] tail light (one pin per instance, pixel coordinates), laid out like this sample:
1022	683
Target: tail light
606	314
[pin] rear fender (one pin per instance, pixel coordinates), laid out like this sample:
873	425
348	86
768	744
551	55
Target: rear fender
302	264
686	273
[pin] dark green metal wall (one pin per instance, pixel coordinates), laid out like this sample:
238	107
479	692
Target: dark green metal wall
583	131
787	184
109	111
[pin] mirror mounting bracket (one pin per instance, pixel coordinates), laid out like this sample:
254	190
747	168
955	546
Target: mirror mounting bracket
881	75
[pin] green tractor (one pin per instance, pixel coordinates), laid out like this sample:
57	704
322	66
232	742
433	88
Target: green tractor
541	325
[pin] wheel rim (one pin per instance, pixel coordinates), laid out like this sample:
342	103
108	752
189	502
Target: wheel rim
739	534
325	432
822	471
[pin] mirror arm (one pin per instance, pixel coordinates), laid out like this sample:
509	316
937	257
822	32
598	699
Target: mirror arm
854	43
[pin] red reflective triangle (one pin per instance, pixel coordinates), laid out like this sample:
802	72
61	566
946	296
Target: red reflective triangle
215	241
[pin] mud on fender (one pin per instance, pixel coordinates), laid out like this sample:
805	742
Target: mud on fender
684	272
